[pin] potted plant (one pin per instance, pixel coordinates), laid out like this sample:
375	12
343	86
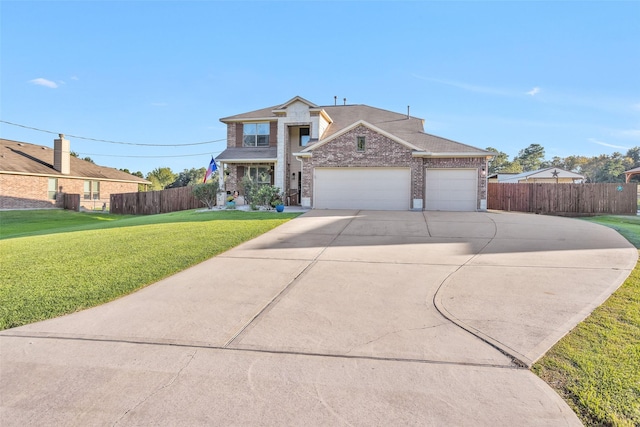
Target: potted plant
231	202
277	202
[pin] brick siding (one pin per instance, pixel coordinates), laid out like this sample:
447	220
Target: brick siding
380	151
31	192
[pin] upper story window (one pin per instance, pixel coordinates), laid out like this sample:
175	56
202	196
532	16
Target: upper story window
256	135
304	136
360	143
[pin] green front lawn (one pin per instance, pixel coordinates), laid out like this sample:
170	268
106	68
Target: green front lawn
596	367
57	262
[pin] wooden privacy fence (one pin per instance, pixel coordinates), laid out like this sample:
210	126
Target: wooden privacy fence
564	199
155	202
71	202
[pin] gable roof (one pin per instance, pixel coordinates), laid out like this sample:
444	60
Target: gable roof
405	128
342	131
22	158
546	173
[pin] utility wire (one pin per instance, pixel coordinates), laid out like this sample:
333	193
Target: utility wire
144	157
112	142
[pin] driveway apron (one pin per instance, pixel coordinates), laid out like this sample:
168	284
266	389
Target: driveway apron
334	318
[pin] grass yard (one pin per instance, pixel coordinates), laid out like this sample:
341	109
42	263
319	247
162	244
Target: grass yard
596	367
57	262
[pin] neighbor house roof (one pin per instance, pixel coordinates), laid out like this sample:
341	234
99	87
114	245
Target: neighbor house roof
407	128
546	173
22	158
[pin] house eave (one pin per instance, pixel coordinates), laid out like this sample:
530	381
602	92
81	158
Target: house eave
303	154
426	154
263	160
250	120
59	175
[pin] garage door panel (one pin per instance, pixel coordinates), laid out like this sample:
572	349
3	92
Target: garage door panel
451	189
362	188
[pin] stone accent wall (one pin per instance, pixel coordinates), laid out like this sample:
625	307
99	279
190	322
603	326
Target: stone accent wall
31	192
463	163
380	151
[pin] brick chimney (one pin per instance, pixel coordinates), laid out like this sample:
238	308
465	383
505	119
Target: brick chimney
62	155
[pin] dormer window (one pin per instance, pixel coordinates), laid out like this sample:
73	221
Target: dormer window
256	134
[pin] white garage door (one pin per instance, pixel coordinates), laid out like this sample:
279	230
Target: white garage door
451	190
362	188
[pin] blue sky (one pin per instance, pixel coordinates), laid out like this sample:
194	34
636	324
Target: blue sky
565	75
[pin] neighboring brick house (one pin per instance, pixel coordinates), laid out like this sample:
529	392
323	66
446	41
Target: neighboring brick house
35	176
353	157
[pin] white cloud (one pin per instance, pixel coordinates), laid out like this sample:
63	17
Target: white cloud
74	78
44	82
605	144
534	91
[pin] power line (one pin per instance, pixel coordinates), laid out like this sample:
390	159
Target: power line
112	142
144	157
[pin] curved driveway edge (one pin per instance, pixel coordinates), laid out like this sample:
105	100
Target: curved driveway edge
330	319
535	280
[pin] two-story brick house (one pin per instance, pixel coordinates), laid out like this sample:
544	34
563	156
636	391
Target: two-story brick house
352	157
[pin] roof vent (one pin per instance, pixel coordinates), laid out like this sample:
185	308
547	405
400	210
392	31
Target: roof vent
408	107
344	100
335	100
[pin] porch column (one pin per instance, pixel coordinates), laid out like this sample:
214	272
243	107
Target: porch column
221	176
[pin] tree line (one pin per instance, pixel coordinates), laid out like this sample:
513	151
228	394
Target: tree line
163	177
602	168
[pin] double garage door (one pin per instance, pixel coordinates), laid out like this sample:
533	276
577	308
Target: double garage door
390	189
362	188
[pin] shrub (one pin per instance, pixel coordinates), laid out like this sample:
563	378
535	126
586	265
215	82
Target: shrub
207	193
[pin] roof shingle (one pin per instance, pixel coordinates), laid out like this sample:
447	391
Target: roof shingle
31	159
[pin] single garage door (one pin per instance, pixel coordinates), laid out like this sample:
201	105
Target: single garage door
451	190
362	188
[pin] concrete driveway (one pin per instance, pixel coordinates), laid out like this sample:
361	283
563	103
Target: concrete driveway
334	318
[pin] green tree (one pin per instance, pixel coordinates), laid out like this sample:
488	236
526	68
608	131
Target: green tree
611	169
207	193
161	178
512	167
531	157
191	176
499	162
634	155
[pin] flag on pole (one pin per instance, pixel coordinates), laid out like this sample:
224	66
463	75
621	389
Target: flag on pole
212	168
